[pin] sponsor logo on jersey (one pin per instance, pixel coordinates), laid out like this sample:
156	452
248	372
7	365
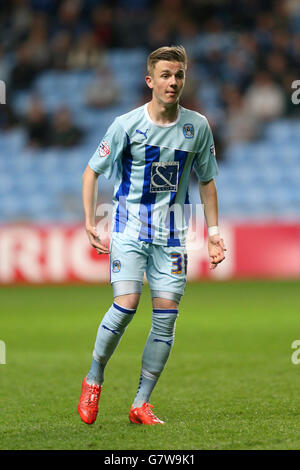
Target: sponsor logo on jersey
212	150
164	176
188	131
116	266
104	149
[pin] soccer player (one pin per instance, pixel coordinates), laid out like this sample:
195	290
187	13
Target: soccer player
153	150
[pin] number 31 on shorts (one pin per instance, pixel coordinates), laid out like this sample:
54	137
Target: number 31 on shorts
177	263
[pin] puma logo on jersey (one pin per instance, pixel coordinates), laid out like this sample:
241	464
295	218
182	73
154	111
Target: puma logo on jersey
143	133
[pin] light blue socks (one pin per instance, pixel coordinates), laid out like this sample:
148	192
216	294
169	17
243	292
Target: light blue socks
108	337
155	355
156	352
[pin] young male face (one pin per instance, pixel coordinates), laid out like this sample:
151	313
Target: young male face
166	81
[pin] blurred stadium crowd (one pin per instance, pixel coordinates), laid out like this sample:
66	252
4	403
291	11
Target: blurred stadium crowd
71	66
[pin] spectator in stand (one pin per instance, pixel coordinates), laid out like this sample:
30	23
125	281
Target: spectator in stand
85	54
239	125
15	22
277	67
102	24
36	124
59	50
69	18
37	42
187	34
130	23
64	133
264	99
237	68
172	12
8	117
159	32
294	51
190	91
24	71
103	91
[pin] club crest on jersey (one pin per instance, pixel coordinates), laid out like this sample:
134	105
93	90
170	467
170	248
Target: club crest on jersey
188	131
116	266
164	176
104	149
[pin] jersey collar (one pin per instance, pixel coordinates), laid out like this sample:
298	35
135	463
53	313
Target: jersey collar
171	124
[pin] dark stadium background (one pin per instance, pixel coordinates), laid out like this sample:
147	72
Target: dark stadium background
68	68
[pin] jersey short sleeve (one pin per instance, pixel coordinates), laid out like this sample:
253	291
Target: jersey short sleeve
205	164
109	150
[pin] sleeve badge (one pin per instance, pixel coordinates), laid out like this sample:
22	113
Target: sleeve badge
104	149
212	150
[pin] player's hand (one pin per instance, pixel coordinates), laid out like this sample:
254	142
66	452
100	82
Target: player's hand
216	249
95	240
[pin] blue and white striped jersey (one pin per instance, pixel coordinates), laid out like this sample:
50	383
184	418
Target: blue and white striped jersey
153	165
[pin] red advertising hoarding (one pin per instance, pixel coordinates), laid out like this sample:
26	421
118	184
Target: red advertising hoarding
59	254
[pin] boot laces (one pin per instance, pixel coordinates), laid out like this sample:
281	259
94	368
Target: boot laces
92	395
149	412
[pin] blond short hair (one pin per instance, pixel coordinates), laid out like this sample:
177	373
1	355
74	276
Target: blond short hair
169	53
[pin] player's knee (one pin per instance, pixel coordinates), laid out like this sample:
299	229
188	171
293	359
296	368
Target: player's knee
161	303
129	301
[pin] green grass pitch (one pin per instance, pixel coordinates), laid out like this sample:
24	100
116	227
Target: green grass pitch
229	383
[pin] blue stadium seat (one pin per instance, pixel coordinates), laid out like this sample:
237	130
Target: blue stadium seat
280	131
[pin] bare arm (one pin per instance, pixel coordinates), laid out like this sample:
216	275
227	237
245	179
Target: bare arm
209	198
89	200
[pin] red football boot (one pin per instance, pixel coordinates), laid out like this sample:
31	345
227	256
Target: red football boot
88	402
144	415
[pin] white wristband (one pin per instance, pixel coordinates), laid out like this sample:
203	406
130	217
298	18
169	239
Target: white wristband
214	230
